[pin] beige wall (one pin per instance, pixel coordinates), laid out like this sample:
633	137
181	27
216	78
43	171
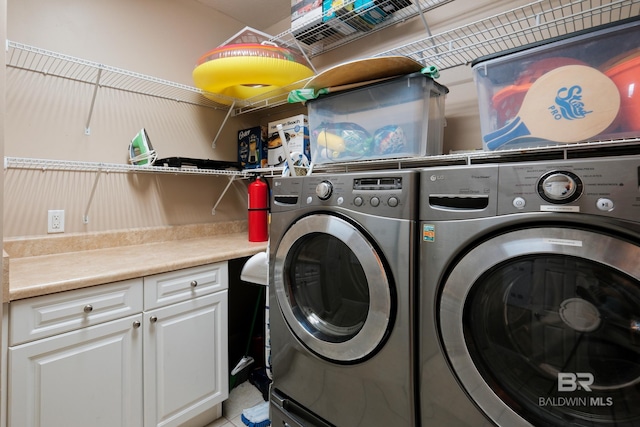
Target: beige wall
46	116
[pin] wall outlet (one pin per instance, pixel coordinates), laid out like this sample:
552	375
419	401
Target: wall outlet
55	223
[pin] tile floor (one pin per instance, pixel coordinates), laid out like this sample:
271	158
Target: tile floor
243	396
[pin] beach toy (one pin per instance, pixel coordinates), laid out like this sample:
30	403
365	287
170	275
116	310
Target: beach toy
246	70
507	101
568	104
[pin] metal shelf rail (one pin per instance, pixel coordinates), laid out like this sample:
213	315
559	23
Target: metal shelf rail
100	168
534	22
81	166
30	58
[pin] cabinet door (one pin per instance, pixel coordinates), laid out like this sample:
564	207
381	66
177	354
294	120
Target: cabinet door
88	377
185	360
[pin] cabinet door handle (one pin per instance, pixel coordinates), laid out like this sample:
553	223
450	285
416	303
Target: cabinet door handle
194	283
88	308
153	319
136	324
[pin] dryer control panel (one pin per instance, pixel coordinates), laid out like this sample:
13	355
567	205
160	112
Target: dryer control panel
607	186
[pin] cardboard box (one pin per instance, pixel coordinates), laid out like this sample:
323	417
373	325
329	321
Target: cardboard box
397	118
296	130
252	147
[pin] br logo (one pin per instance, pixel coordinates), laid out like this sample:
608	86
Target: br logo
569	381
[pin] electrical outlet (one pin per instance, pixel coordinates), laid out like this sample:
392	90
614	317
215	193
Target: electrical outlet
55	223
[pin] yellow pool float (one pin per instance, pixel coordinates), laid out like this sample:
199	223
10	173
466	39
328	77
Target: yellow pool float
246	70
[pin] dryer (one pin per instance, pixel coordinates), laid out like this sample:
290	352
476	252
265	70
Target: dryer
529	294
342	262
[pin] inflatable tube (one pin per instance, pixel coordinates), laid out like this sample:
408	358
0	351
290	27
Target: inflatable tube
243	71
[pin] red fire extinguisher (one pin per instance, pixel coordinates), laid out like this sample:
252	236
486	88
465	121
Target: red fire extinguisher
258	210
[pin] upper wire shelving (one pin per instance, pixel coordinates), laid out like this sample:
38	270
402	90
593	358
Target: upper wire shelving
46	62
535	22
349	26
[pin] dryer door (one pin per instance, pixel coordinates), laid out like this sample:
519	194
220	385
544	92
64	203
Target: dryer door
333	288
542	326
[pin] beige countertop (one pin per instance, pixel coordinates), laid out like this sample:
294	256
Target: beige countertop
44	274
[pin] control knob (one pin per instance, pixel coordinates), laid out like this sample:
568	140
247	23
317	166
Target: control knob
324	190
560	187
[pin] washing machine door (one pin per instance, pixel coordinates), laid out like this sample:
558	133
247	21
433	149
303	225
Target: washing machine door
542	327
333	288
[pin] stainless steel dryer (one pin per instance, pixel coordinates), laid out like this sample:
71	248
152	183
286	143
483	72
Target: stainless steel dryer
530	294
342	261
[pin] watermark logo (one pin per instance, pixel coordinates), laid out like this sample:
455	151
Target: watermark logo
569	381
575	381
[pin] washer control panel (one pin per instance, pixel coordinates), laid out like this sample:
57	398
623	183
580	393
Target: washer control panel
383	193
608	186
605	186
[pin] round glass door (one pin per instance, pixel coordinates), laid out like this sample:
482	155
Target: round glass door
333	289
549	328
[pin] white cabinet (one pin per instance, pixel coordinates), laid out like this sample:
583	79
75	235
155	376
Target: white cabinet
185	346
185	361
142	352
86	375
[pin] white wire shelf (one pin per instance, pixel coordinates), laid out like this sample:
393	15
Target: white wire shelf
561	151
31	58
566	151
80	166
534	22
319	37
44	165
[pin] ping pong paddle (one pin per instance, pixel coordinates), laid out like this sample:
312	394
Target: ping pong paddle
568	104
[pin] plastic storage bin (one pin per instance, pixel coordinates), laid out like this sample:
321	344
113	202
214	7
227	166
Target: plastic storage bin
396	118
503	80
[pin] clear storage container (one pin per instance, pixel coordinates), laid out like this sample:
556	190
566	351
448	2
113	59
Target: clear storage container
396	118
506	79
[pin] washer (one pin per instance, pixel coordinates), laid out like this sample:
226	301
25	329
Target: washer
342	265
530	294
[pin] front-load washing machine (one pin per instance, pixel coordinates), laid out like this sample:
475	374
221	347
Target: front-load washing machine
342	262
529	294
